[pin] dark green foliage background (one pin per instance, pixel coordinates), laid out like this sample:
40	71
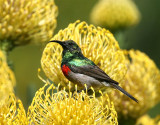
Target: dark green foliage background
144	36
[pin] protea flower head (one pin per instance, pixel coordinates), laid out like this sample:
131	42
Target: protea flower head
12	111
53	106
25	21
7	78
147	120
115	14
142	81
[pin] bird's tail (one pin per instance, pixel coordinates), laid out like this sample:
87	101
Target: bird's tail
123	91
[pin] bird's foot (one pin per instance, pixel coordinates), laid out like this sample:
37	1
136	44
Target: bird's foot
85	90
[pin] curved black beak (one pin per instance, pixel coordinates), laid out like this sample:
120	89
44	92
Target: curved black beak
57	41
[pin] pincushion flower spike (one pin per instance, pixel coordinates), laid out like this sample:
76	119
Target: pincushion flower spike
143	81
80	70
147	120
12	111
7	78
97	44
26	21
52	106
115	14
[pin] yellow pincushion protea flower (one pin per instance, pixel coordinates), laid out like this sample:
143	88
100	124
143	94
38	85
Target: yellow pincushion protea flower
142	81
7	78
12	111
57	107
115	14
147	120
24	21
96	43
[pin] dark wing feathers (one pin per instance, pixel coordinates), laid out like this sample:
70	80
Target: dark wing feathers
97	73
93	71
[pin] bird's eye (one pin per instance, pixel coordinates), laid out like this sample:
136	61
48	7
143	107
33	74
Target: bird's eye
74	47
70	44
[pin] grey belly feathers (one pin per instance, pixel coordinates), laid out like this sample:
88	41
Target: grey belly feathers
81	80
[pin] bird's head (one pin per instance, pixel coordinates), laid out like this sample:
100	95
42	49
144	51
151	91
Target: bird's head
70	48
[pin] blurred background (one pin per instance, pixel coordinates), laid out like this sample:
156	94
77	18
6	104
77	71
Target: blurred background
144	36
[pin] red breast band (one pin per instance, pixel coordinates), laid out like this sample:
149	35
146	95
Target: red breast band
65	69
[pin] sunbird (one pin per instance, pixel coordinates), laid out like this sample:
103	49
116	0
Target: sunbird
80	70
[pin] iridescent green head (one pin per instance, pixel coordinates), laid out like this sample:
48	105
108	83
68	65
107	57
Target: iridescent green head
70	48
